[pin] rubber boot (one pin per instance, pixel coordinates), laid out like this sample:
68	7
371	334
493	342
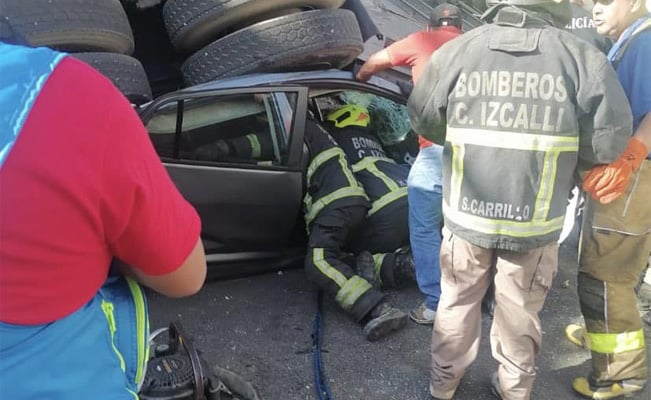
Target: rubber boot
382	320
365	268
404	270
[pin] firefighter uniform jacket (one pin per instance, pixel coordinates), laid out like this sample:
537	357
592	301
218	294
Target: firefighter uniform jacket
517	103
330	180
384	180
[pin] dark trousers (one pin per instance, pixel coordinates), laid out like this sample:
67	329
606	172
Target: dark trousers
325	265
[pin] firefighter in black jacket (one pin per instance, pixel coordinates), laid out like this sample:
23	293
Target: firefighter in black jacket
335	208
385	229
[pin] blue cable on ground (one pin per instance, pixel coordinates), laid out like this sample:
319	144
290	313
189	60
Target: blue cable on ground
320	382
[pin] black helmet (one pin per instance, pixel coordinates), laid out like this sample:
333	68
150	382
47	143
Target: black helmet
445	15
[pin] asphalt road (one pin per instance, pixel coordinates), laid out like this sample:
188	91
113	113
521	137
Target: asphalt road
260	327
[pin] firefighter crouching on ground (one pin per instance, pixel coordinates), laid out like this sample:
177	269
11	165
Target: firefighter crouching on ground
529	105
385	229
335	206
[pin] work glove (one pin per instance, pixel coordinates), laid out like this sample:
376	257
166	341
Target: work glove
607	182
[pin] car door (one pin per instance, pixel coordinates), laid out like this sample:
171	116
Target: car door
236	156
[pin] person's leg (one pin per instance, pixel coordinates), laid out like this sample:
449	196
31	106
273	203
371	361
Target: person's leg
324	264
522	282
457	330
425	217
613	254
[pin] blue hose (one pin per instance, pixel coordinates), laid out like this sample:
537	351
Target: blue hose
320	382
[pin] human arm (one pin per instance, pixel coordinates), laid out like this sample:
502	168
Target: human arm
147	223
607	182
377	62
184	281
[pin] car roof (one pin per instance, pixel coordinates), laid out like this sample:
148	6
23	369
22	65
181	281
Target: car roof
281	78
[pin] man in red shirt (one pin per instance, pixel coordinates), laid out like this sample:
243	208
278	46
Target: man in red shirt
424	183
81	186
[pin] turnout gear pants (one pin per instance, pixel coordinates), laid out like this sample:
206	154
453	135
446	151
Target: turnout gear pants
614	250
522	281
325	265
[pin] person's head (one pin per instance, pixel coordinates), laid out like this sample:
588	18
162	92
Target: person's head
612	17
349	115
445	15
557	11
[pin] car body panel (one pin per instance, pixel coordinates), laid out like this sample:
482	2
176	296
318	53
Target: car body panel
251	213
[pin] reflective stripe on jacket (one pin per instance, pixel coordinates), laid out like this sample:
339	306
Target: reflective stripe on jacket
384	180
528	107
330	179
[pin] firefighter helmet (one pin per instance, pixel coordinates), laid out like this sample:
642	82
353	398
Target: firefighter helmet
349	115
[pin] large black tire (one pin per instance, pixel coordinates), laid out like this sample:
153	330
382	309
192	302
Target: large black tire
307	40
71	25
126	73
192	24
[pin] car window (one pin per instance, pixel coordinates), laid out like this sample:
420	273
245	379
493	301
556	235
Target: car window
389	119
241	128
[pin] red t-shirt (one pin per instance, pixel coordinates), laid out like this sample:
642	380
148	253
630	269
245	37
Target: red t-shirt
81	185
415	50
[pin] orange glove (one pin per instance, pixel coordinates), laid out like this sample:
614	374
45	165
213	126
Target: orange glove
607	182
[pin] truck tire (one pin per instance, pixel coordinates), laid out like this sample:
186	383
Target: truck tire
307	40
71	25
192	24
126	73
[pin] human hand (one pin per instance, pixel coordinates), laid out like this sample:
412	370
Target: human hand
607	182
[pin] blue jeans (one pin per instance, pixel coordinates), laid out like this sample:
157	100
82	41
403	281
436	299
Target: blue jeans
425	216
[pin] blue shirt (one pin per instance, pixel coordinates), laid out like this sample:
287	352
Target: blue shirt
633	71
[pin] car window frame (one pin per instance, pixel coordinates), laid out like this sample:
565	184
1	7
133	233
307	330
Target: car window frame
294	149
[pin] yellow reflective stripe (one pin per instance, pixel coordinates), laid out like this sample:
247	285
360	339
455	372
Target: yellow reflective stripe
142	329
378	259
354	288
368	163
456	179
349	289
320	204
551	145
546	189
613	343
255	145
502	227
107	308
512	140
326	155
386	199
318	259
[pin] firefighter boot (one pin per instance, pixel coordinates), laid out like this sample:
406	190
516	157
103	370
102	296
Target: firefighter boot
404	269
365	268
396	270
382	320
604	391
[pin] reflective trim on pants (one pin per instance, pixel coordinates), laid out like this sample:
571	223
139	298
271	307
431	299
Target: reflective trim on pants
615	247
